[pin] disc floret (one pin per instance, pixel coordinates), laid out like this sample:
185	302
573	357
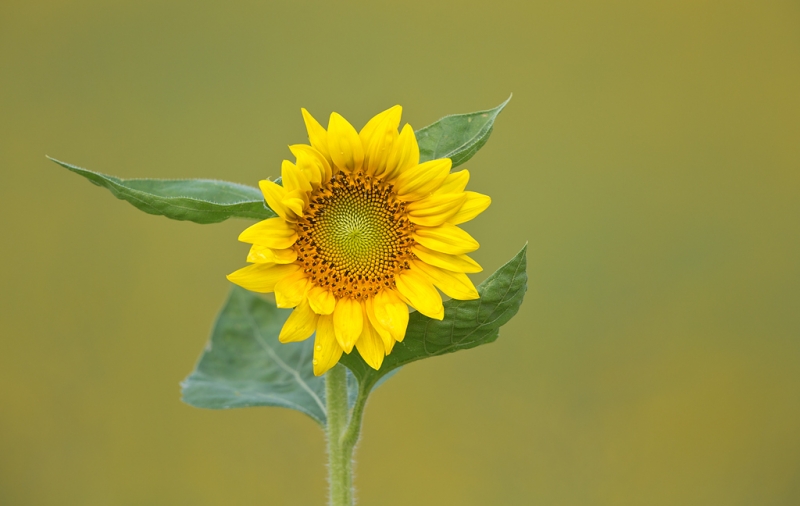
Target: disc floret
355	236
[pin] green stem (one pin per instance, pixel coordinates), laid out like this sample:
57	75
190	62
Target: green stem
340	462
351	435
342	436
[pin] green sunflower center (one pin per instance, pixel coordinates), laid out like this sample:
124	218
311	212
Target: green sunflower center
354	236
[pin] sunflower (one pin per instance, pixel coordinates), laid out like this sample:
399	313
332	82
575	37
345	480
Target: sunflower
363	231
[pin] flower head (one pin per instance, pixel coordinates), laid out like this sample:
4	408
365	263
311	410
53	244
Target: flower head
363	232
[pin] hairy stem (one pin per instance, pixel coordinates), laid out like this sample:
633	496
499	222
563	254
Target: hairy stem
340	462
344	430
353	431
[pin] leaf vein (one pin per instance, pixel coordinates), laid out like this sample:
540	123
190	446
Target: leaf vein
281	363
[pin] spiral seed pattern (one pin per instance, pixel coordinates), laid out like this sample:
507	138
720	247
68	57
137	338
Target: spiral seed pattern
354	236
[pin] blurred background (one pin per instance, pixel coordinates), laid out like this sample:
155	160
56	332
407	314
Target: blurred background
650	156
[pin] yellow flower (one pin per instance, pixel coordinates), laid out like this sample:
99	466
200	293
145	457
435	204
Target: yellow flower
363	231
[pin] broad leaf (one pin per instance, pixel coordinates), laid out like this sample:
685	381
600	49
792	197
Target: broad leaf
197	200
457	137
245	365
466	324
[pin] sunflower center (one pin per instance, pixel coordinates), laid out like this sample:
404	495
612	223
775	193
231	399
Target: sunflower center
354	236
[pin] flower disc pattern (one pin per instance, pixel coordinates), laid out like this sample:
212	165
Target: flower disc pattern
363	232
354	237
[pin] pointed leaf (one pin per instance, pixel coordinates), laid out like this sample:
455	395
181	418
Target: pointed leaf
197	200
245	365
466	323
457	137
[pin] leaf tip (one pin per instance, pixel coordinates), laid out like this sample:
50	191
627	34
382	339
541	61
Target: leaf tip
59	162
497	110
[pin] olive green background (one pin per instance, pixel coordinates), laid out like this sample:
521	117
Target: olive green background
650	155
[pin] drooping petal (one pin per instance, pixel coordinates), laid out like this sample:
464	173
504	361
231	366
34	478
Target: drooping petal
291	290
455	263
404	154
388	344
263	254
327	351
391	313
322	300
420	292
370	346
261	278
274	195
273	233
420	181
378	137
348	321
455	182
454	284
475	204
379	328
344	145
316	134
300	324
434	210
446	238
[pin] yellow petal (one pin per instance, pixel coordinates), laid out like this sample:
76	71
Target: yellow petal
272	233
434	210
391	313
370	346
262	254
475	204
377	137
322	300
291	290
310	167
300	324
380	329
327	351
404	155
294	202
455	182
455	263
446	238
316	134
420	181
293	178
383	332
344	145
274	195
454	284
420	292
261	278
388	345
348	321
320	159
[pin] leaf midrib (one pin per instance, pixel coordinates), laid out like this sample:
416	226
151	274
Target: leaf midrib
283	365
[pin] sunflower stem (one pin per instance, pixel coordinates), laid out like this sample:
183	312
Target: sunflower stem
340	455
353	432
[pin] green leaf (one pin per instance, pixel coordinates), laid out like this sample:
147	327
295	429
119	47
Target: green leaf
197	200
245	365
457	137
466	323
